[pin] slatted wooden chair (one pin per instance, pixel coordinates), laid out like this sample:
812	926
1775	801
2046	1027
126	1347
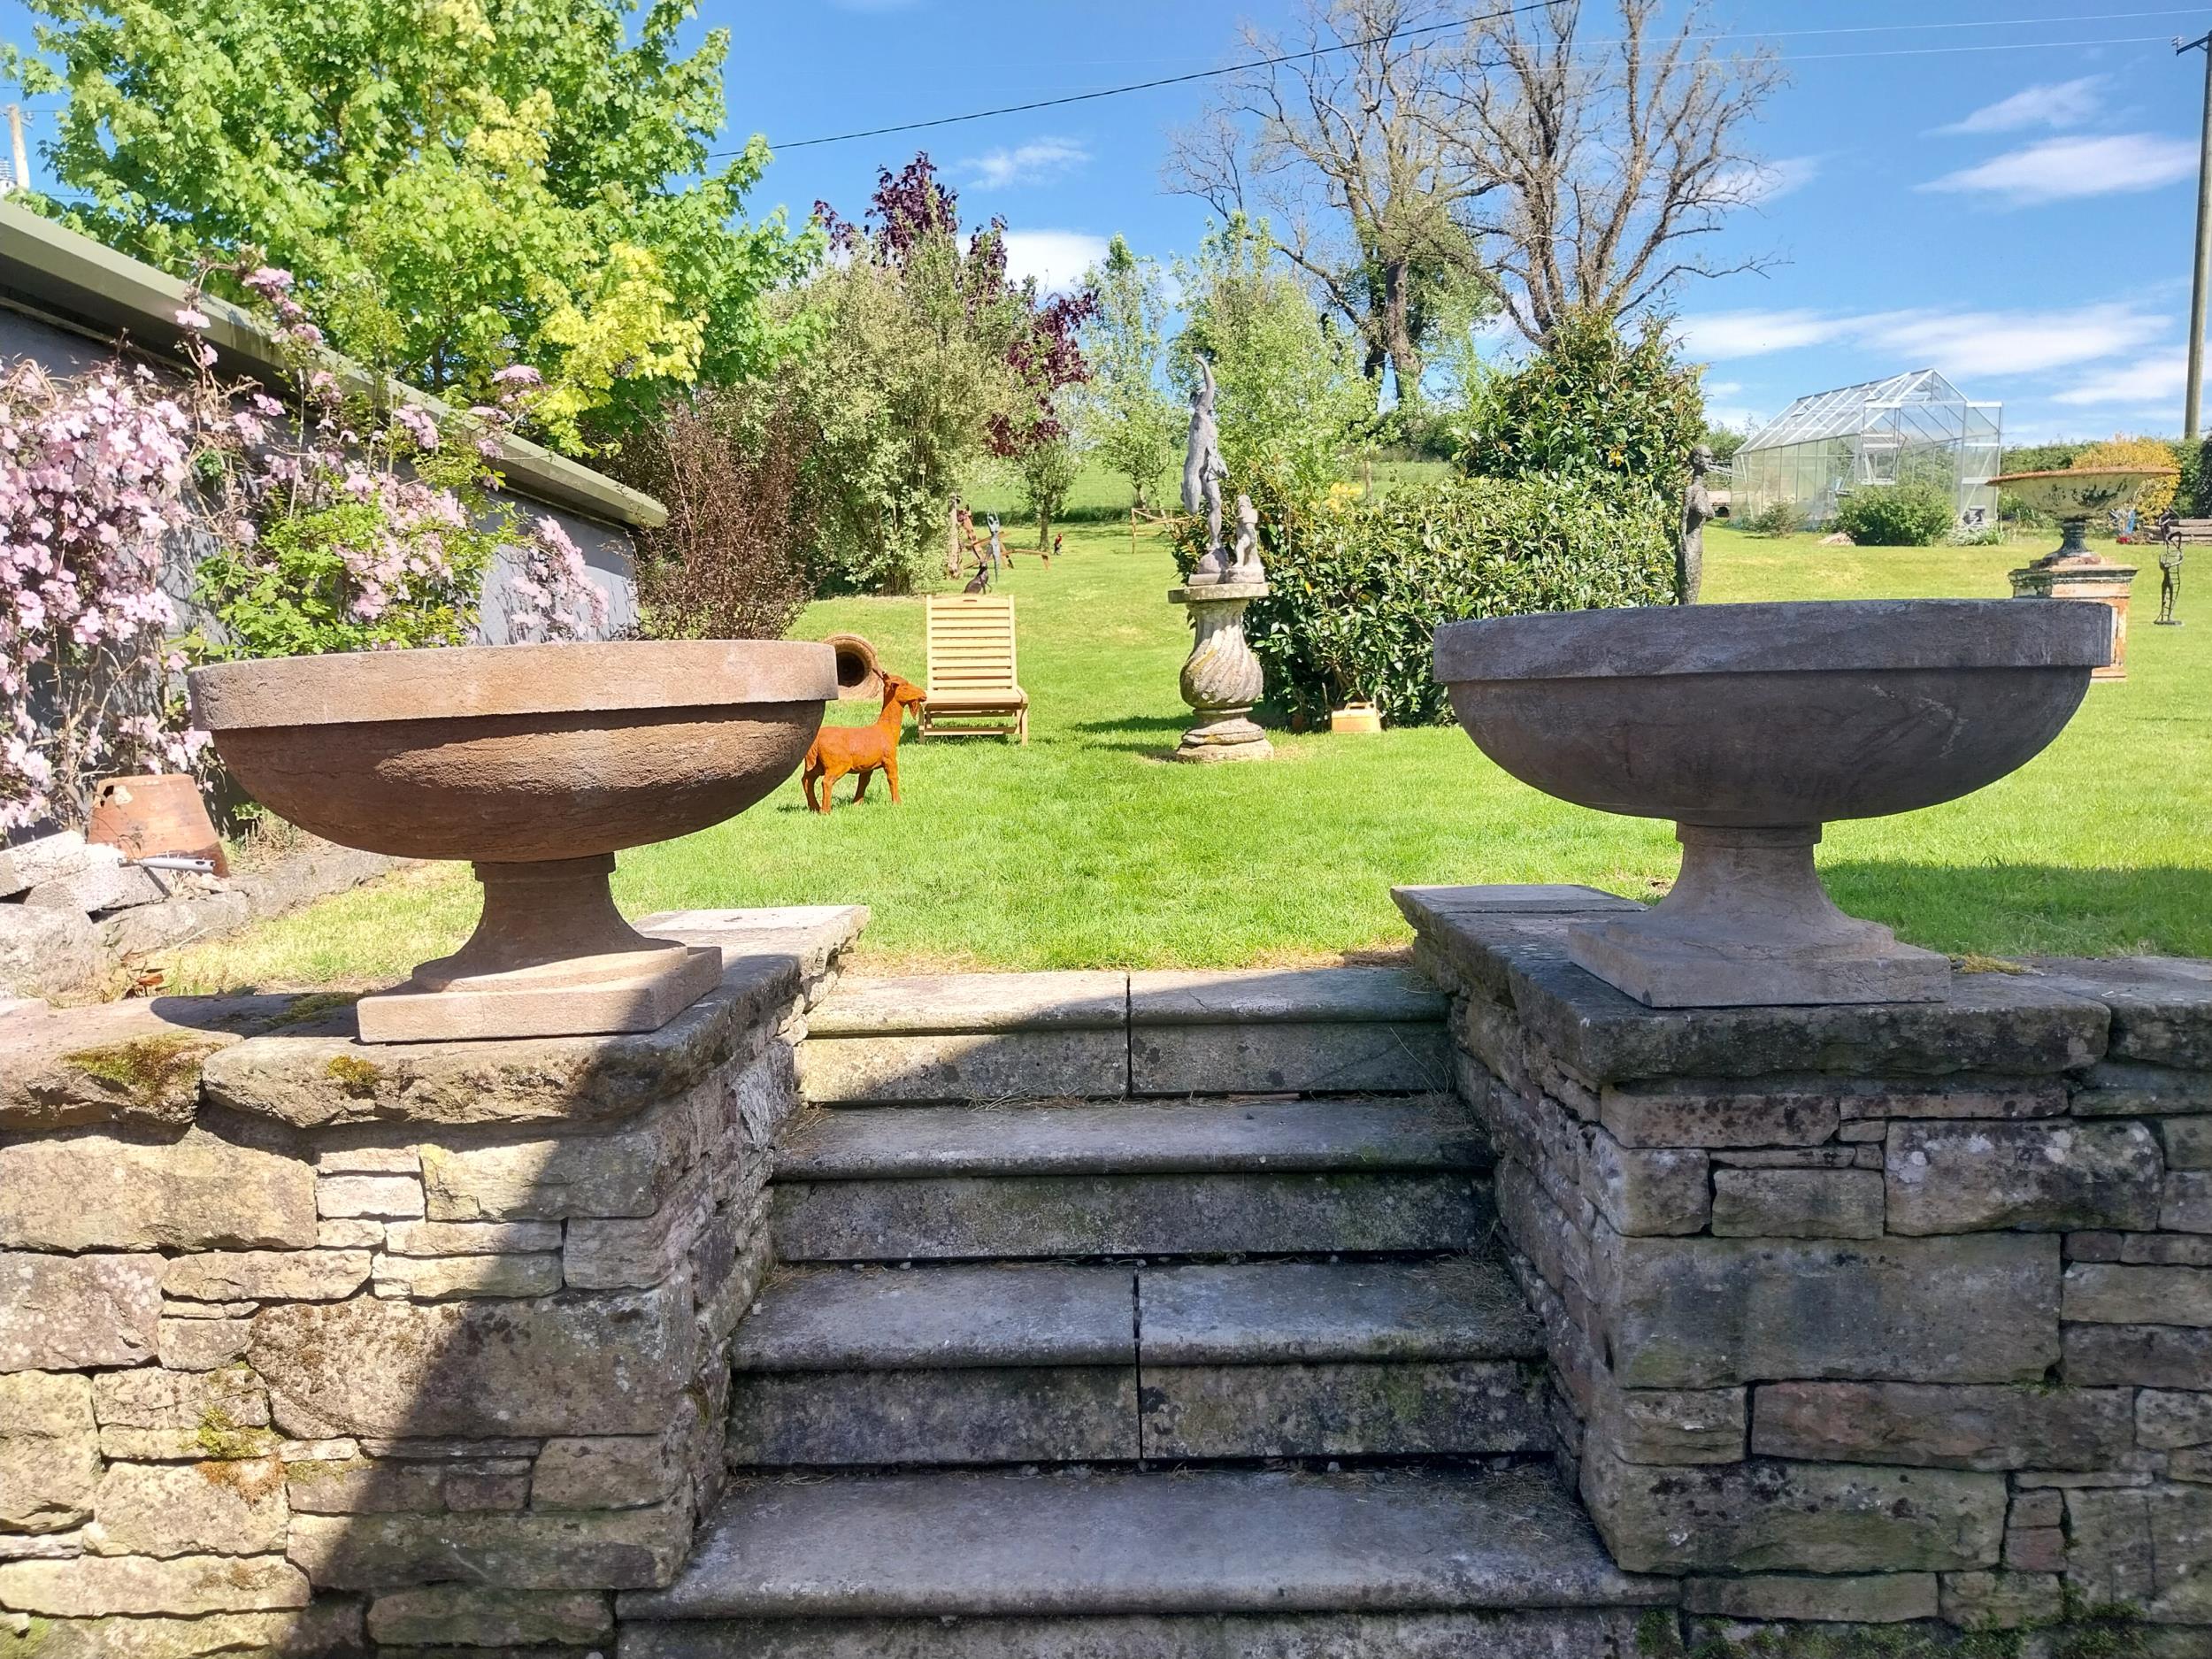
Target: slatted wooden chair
972	675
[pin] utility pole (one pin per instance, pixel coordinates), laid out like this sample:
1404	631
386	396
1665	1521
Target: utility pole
2203	43
19	177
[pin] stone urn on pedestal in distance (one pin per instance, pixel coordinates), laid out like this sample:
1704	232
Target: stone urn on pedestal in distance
2074	496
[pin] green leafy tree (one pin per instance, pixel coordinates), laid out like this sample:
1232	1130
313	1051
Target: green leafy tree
1049	472
459	184
1290	388
1133	421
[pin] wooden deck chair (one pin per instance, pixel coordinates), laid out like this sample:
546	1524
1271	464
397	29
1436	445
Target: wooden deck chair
971	668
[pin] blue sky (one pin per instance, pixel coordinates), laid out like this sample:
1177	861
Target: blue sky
2001	189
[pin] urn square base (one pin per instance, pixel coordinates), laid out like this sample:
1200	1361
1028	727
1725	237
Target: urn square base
1661	972
561	1000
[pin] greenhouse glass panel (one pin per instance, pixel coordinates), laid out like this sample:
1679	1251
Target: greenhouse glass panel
1913	428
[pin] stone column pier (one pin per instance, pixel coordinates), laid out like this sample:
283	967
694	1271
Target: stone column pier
312	1347
1221	680
1866	1314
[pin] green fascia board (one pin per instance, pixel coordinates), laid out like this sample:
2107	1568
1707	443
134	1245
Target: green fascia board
68	275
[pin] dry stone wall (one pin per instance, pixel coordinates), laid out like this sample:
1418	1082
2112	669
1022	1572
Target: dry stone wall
1869	1315
311	1347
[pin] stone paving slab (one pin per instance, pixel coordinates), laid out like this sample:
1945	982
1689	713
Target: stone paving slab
1012	1415
1177	996
1211	1542
813	934
1427	1132
1513	898
1343	1058
993	1218
921	1003
927	1067
1274	1312
941	1318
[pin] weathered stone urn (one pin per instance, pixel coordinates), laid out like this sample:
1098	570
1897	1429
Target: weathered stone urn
1221	679
537	763
2074	495
1751	726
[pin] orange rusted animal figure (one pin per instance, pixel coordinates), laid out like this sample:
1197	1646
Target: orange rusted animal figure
861	750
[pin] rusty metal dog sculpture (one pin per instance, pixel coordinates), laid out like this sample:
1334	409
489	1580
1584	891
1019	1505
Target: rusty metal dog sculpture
861	750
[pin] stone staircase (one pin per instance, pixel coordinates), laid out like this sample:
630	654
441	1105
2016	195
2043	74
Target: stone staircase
1124	1314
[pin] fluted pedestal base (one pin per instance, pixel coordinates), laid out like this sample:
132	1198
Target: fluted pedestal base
1221	680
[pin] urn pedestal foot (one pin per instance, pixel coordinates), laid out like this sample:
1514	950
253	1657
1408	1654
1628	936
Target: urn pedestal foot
1748	923
550	956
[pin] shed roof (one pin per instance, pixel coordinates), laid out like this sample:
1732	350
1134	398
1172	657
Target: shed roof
48	269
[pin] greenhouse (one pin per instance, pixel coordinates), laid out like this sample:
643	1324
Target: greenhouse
1916	427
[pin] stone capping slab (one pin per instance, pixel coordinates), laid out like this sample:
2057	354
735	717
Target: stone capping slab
1315	996
2016	1025
1511	898
2161	1006
319	1075
120	1063
946	1003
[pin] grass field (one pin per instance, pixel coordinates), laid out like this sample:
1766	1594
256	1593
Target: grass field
1084	849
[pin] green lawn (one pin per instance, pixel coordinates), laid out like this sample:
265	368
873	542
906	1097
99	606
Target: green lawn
1084	849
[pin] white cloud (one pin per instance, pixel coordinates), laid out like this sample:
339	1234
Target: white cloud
1718	335
2059	104
1722	388
2063	169
1032	163
1752	184
2155	380
1056	258
1963	343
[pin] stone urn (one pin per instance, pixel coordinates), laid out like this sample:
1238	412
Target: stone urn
536	763
2074	495
1751	726
1221	679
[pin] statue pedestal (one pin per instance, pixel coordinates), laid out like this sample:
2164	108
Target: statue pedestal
2089	577
1221	680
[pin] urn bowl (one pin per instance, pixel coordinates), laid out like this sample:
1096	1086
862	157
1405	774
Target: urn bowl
2080	491
537	763
1750	727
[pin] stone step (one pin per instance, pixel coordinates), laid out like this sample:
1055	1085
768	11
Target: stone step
1073	1545
1004	1365
1539	1633
1416	1132
993	1036
1015	1218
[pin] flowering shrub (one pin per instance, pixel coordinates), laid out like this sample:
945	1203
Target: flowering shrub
333	525
92	477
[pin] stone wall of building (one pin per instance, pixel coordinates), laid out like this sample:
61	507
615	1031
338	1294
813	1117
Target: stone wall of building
1872	1313
307	1345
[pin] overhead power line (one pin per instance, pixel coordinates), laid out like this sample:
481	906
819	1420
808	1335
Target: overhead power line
1529	5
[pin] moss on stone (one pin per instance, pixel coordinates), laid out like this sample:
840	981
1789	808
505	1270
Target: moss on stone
2079	1631
222	1441
149	1070
356	1077
27	1642
313	1007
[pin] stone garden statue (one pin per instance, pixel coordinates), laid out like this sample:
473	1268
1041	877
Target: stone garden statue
2169	583
998	546
1244	565
1689	552
1204	469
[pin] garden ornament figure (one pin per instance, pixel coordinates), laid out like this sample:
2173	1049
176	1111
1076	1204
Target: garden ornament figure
862	750
1245	566
1203	469
998	547
1689	551
2168	584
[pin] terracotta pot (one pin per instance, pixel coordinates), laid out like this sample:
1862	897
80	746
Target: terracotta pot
155	817
1355	715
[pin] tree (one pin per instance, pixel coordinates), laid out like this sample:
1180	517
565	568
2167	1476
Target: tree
1289	388
1604	161
1345	139
457	185
927	360
1132	421
1049	472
